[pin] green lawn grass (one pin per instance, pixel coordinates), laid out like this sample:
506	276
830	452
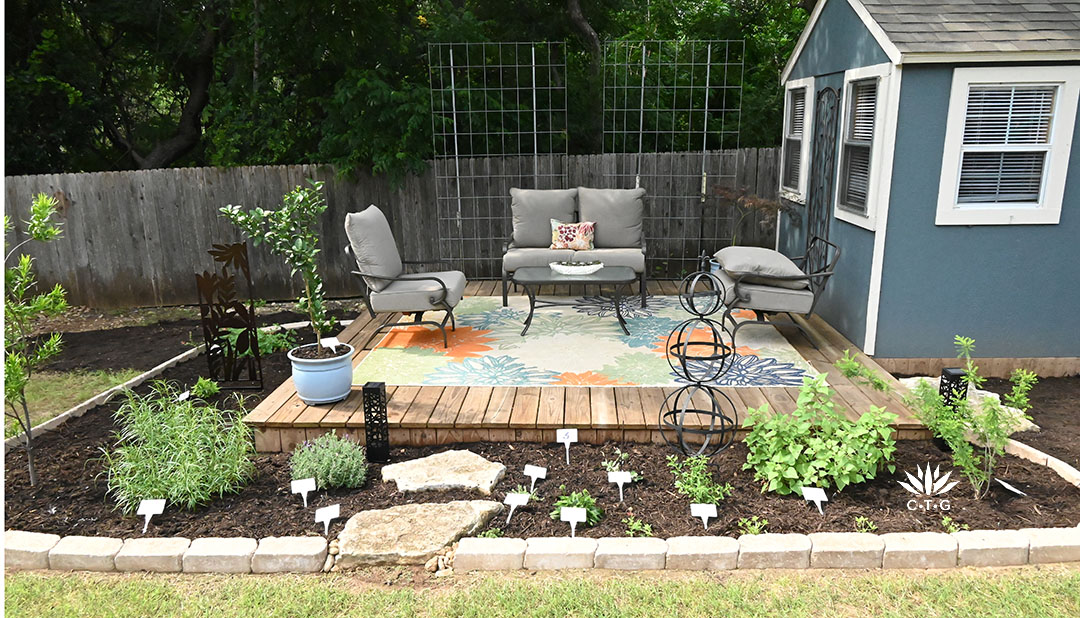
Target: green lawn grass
50	393
1030	591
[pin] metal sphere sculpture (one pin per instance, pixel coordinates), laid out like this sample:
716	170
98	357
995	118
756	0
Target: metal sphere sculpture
699	419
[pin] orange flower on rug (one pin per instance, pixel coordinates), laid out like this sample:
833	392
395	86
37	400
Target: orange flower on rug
586	378
464	342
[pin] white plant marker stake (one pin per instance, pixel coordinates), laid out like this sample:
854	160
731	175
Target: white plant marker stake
330	342
566	436
573	515
327	514
703	511
302	487
183	396
1010	487
815	495
535	472
514	501
149	508
619	478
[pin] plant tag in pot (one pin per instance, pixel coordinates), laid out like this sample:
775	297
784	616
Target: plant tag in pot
535	472
303	487
573	515
149	508
330	342
566	437
620	479
704	512
327	514
514	501
815	495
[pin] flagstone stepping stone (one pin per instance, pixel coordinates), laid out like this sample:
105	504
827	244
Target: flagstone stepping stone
449	470
411	533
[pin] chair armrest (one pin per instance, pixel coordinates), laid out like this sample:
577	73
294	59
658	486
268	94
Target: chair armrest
508	244
433	299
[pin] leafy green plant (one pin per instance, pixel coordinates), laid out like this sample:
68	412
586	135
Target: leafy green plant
23	352
855	371
693	479
331	460
270	341
816	445
864	524
292	232
1022	383
752	525
578	499
491	533
186	452
616	463
951	525
964	348
635	526
521	489
205	388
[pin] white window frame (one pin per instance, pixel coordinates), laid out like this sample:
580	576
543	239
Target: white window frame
880	164
1048	209
798	194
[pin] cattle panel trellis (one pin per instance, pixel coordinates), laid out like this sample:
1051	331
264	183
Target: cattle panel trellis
137	238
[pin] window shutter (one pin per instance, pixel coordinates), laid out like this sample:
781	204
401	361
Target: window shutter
863	104
798	113
1001	177
793	140
855	168
1005	115
857	178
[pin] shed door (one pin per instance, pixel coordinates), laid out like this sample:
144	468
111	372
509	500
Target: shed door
822	163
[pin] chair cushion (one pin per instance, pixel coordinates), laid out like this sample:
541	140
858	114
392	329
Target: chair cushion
576	236
763	264
618	215
411	294
633	258
765	297
373	245
516	258
533	210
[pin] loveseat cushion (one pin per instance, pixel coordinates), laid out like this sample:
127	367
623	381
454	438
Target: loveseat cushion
765	297
618	214
633	258
762	264
533	210
413	294
517	258
373	245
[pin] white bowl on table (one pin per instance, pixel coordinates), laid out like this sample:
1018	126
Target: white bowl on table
585	268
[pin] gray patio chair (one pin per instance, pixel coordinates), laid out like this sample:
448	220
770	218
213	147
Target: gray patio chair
766	281
386	287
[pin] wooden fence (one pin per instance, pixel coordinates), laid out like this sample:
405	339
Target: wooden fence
136	238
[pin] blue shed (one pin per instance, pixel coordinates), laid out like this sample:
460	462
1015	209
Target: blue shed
934	142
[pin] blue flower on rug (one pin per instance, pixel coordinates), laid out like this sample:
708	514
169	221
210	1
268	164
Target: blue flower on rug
757	371
604	306
490	371
491	320
645	332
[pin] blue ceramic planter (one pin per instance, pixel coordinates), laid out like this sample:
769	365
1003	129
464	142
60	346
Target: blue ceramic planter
322	380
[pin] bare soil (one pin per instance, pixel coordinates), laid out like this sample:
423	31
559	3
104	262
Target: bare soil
1055	408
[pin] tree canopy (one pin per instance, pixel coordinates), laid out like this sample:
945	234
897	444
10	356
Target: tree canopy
97	85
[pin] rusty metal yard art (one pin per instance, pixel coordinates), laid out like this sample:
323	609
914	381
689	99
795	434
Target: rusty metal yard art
229	326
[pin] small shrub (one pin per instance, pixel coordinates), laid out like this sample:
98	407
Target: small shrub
635	526
864	524
752	525
951	525
815	445
860	373
205	388
270	341
693	479
186	452
332	460
491	533
616	463
579	499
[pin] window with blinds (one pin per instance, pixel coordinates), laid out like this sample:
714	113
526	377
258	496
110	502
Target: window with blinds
793	137
1005	143
858	140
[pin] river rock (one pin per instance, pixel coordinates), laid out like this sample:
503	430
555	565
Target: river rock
411	533
448	470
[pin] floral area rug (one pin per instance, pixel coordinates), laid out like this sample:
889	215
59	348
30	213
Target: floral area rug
575	345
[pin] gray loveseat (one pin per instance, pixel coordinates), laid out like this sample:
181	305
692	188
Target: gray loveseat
619	238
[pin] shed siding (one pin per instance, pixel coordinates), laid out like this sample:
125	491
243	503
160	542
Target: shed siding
838	42
1014	288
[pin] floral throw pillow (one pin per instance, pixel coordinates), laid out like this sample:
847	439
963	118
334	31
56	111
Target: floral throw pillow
576	236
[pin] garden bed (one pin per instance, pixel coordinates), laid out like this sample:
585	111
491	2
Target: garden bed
1055	408
72	496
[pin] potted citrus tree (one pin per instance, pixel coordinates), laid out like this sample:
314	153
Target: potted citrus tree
322	374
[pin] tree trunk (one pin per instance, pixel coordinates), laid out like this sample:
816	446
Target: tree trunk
29	446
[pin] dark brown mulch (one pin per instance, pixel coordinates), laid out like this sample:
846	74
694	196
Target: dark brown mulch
72	496
1055	408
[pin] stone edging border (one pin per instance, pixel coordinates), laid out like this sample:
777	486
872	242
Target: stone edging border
108	394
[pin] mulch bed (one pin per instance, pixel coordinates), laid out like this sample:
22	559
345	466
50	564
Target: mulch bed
71	498
1055	408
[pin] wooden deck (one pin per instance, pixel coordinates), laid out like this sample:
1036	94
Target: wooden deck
431	415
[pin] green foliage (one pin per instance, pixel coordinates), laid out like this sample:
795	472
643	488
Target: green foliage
964	348
864	524
1023	381
816	445
292	232
579	499
694	480
491	533
186	452
951	525
635	526
270	341
331	460
521	489
205	388
616	463
752	525
860	373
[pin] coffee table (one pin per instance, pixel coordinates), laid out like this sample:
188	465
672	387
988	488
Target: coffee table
532	277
